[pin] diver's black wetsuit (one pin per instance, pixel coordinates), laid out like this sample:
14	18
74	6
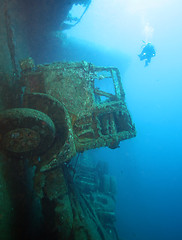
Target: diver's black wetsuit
147	53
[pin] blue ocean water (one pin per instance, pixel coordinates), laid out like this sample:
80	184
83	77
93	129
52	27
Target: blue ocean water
148	168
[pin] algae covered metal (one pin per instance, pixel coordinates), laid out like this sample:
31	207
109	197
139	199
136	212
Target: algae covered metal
64	108
74	105
98	118
49	113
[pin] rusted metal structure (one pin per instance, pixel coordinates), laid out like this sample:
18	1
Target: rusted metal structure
48	114
64	110
81	115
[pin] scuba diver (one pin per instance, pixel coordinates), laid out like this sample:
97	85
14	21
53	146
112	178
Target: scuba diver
147	53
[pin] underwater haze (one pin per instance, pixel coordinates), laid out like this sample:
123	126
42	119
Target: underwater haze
148	168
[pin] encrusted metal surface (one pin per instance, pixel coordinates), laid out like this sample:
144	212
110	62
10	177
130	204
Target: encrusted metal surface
99	118
25	131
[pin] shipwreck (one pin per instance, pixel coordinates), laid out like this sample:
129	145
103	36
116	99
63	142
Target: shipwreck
50	115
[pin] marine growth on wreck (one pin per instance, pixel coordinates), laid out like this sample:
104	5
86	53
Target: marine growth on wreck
50	115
